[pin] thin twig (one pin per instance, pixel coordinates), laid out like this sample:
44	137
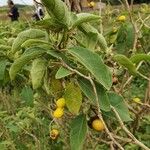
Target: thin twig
137	142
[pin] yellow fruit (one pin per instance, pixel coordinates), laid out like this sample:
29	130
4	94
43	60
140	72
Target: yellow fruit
89	4
121	18
98	125
54	134
92	4
137	100
60	102
58	113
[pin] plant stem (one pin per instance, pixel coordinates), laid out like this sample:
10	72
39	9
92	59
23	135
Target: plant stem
128	132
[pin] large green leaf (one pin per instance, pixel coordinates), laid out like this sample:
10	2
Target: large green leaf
3	63
62	72
27	96
125	62
118	103
88	29
140	57
78	132
73	98
83	18
94	63
25	35
87	89
58	11
24	59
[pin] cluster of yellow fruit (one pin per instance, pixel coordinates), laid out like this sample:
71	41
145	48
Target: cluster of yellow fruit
91	4
121	18
98	125
59	112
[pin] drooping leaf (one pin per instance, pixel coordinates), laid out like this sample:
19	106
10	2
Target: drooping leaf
93	62
58	10
83	18
24	59
31	42
125	62
87	28
78	132
3	63
25	35
62	72
118	103
87	89
73	98
140	57
27	96
37	72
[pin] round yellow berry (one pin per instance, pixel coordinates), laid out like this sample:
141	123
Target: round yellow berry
92	4
121	18
98	125
58	113
137	100
60	102
89	4
54	134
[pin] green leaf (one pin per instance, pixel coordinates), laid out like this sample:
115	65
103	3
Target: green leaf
58	10
140	57
91	39
25	35
62	72
3	63
73	98
37	72
27	96
94	63
125	62
83	18
24	59
87	28
87	89
78	132
118	103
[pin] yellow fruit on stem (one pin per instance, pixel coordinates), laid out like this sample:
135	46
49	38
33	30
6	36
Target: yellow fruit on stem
137	100
98	125
54	134
58	113
121	18
92	4
60	102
